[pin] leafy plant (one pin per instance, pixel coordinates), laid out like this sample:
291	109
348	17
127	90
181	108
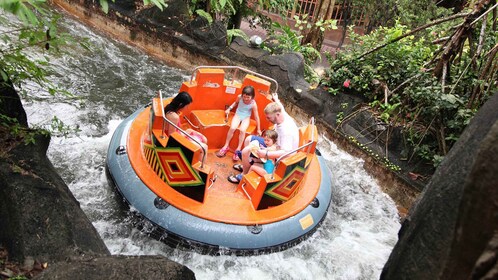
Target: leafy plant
288	40
231	33
396	81
205	15
39	32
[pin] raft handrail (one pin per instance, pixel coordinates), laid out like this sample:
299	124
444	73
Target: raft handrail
279	159
180	129
236	68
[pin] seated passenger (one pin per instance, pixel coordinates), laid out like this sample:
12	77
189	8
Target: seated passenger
266	165
172	110
245	106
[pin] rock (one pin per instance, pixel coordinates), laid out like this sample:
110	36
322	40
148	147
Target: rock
210	38
456	216
10	104
29	263
117	267
174	16
40	216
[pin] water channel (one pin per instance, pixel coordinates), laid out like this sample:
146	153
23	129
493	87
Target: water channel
111	80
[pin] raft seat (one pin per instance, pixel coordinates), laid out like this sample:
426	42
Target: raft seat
278	187
180	163
157	122
308	134
214	125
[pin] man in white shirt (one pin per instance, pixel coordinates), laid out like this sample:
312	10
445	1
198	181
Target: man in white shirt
288	138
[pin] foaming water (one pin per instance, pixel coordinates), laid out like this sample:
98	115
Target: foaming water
111	81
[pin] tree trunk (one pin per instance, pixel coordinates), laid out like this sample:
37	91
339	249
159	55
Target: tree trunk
458	39
346	15
236	19
315	36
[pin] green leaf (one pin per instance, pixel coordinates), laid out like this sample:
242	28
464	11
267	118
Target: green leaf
4	76
105	6
205	15
160	4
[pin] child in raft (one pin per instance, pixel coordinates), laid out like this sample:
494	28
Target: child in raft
245	106
270	137
263	165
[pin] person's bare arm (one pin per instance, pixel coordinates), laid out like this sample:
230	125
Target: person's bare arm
227	111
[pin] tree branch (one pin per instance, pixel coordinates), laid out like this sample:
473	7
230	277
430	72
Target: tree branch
425	26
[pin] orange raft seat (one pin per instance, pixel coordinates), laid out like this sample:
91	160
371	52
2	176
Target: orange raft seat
168	180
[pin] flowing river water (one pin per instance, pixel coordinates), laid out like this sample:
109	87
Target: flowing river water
110	81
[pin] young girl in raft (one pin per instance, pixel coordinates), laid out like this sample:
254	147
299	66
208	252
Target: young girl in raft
270	137
245	105
264	165
172	111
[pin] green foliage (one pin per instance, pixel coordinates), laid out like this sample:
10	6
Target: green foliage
15	130
303	23
19	67
224	10
288	40
408	12
158	3
19	277
231	33
397	85
382	160
392	64
58	128
24	9
205	15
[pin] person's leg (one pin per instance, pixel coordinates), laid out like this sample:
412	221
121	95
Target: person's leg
233	126
258	169
248	140
235	123
242	129
246	152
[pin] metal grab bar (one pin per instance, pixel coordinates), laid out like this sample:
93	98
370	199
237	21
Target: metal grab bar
181	130
237	68
190	123
244	189
279	159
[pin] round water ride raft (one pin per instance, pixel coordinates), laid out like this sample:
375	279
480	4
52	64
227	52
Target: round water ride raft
184	192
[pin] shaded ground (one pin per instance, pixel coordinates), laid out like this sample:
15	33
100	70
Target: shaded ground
9	269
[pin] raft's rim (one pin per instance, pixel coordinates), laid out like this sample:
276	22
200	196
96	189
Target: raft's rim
180	229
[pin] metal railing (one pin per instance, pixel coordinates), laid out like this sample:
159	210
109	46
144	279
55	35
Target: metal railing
204	152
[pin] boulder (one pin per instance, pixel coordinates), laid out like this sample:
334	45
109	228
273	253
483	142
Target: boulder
10	104
117	267
450	230
39	215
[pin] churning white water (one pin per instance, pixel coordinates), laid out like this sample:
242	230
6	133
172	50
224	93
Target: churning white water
110	81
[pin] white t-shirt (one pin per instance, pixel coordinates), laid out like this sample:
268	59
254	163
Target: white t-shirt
288	133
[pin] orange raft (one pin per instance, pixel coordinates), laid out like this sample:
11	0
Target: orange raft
183	191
